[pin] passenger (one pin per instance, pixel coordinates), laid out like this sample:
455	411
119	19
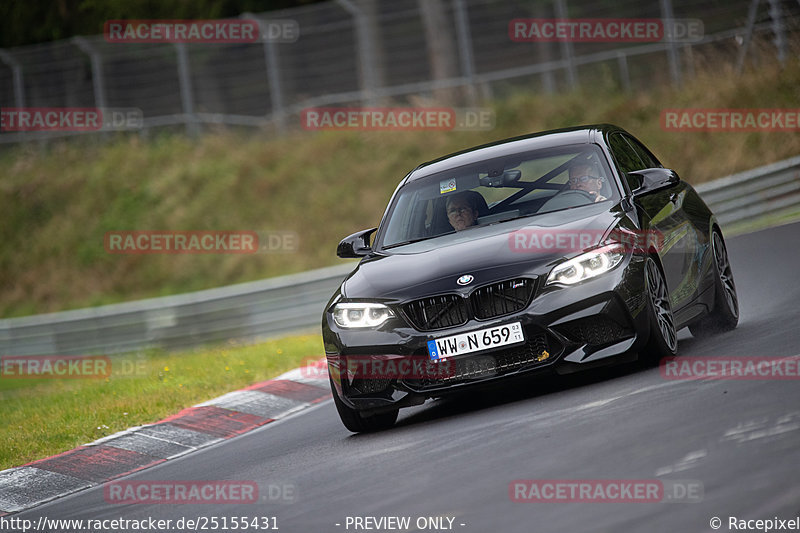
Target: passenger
462	209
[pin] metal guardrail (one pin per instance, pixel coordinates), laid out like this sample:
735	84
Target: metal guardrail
771	189
247	312
250	312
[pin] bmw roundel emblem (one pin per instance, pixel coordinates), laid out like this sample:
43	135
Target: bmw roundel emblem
466	279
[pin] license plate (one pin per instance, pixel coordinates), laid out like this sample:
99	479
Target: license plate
475	341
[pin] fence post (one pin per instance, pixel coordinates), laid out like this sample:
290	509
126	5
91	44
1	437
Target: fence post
272	63
672	49
778	29
366	58
566	47
748	34
98	82
185	82
544	53
18	80
465	46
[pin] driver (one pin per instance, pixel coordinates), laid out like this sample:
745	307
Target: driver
582	178
462	210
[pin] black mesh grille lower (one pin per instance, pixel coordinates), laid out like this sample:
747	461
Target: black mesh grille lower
369	385
595	330
437	312
502	298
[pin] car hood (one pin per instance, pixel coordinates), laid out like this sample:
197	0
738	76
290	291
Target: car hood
489	254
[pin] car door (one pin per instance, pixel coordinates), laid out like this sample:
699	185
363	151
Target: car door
664	213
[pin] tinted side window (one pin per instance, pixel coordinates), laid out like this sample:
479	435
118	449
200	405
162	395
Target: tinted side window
626	158
648	160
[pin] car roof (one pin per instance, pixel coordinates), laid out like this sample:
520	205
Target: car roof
546	139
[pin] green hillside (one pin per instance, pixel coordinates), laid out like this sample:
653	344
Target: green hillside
57	201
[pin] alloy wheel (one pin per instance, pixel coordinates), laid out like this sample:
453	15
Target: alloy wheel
659	297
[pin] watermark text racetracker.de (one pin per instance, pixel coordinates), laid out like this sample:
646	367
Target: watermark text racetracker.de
200	242
70	366
397	118
605	490
55	366
736	368
605	30
231	31
730	120
177	492
70	119
544	241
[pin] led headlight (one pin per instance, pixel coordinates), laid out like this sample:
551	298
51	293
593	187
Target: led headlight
361	314
587	265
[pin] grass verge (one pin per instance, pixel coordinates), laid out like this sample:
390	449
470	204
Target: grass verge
780	218
42	417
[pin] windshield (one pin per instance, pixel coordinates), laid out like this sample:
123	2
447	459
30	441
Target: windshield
498	190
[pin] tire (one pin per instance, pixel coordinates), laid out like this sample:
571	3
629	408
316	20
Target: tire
355	422
663	340
725	314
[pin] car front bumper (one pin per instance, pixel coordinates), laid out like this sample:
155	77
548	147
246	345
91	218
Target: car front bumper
597	322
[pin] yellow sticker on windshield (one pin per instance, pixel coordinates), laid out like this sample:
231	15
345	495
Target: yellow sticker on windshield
447	185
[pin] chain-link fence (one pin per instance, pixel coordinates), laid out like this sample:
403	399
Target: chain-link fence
368	52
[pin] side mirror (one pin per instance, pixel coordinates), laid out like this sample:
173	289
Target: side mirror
653	179
355	245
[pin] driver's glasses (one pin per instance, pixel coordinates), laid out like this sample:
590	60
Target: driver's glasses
455	211
582	179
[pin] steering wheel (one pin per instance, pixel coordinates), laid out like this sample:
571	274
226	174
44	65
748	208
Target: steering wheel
587	194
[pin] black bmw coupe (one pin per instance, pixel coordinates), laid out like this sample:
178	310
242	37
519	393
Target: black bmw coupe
549	253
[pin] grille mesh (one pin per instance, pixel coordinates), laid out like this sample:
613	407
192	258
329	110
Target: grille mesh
502	298
497	299
437	312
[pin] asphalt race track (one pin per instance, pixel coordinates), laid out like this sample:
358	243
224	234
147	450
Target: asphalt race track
738	440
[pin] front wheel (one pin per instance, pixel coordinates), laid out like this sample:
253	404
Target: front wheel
663	340
355	422
725	314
